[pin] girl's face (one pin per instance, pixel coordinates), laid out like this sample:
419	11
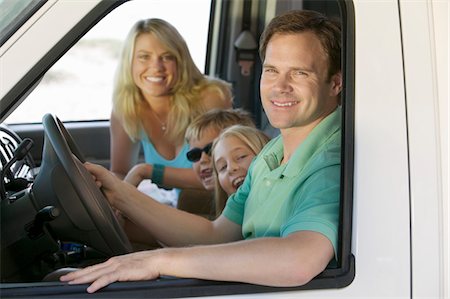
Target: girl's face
232	157
154	69
203	166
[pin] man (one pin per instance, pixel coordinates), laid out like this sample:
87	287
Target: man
280	227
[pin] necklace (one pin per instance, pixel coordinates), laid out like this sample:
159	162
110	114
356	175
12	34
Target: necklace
163	124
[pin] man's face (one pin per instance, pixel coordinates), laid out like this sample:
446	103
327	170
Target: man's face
295	91
203	167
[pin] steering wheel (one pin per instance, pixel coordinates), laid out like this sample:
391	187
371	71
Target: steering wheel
63	182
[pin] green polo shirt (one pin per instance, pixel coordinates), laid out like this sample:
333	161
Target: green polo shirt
303	194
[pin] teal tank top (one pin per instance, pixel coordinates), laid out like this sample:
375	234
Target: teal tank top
153	157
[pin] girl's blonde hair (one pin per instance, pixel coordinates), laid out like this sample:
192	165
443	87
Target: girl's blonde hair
251	137
186	94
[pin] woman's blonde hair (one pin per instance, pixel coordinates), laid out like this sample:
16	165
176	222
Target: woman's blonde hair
186	93
253	138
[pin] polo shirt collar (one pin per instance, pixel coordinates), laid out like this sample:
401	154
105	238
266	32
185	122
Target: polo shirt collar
318	136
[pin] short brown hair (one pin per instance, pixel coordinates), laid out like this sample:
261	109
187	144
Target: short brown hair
297	21
217	119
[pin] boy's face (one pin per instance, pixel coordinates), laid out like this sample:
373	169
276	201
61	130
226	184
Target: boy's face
203	167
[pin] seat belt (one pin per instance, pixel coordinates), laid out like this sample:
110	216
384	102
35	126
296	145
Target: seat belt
245	45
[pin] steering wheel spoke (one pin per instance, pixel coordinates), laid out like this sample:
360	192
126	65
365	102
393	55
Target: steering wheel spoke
63	182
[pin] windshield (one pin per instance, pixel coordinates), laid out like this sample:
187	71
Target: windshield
13	13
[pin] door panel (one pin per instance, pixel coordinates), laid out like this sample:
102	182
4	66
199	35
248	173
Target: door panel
92	138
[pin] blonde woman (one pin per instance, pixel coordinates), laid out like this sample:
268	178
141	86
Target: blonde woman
158	92
232	153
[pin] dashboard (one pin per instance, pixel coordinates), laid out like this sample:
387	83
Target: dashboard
17	166
52	217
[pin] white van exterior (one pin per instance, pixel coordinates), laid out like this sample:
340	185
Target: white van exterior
401	205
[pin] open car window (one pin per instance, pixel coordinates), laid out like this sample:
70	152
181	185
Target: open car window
78	87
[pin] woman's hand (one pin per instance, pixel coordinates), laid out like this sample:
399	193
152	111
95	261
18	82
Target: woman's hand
139	173
141	265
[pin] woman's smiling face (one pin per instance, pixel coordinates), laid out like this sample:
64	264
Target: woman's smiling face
154	68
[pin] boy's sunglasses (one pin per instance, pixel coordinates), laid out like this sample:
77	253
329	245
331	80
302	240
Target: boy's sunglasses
195	154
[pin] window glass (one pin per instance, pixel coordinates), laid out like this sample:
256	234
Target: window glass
13	13
79	86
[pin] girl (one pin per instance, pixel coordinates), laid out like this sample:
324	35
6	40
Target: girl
232	153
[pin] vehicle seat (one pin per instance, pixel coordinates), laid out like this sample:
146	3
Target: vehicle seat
197	201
